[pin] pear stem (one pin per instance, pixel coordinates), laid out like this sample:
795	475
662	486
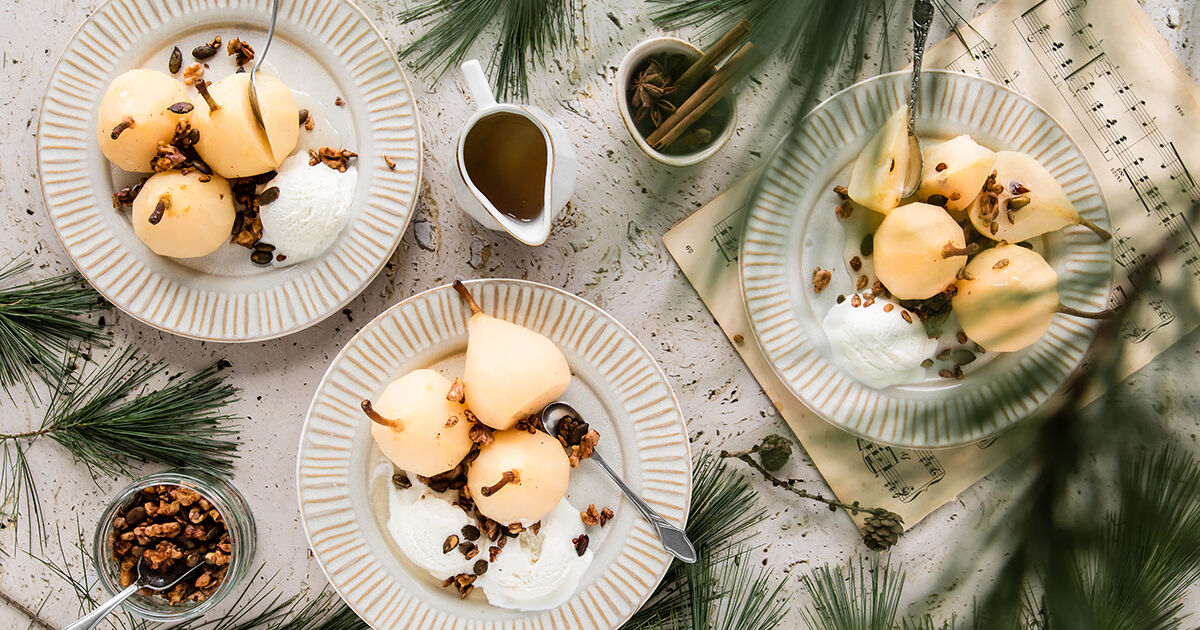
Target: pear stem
1067	310
202	87
950	251
375	417
466	295
1104	234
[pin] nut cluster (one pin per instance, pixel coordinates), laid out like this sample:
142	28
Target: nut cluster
577	437
169	524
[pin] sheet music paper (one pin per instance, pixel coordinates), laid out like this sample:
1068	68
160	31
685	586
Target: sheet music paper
1104	72
1101	70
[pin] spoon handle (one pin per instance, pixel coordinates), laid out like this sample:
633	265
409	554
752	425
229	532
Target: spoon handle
96	617
922	20
673	539
270	32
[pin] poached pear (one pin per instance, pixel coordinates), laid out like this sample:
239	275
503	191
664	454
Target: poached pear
519	477
417	427
1007	298
1022	200
183	215
919	249
230	141
877	177
955	171
140	108
511	372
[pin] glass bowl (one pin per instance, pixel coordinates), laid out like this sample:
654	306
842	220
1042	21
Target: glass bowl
239	522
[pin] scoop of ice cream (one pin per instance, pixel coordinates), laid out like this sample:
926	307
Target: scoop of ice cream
877	344
539	571
419	521
311	209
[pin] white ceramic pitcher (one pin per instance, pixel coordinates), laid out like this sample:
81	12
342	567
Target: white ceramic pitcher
561	164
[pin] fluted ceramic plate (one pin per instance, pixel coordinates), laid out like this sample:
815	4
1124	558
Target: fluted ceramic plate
324	48
791	230
616	385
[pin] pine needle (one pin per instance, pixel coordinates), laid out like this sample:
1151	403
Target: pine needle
863	597
39	332
530	30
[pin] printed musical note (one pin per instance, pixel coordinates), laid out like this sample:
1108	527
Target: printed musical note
906	473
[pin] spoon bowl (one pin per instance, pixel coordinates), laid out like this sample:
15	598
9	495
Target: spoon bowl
147	579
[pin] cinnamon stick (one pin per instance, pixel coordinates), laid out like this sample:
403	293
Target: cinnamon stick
711	57
706	96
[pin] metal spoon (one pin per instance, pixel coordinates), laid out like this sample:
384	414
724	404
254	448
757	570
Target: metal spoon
922	20
152	581
673	539
254	106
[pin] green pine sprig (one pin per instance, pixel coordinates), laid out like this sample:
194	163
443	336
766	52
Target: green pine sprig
40	332
722	590
110	419
529	31
865	596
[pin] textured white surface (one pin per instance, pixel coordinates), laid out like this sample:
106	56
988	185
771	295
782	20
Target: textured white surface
606	247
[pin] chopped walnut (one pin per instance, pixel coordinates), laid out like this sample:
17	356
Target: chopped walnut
821	279
584	449
166	158
590	516
193	73
606	515
333	158
457	393
480	434
241	52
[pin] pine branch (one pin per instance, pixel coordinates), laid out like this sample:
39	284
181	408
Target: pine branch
724	507
39	329
530	31
109	420
790	486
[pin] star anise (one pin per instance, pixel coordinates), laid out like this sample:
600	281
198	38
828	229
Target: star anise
651	90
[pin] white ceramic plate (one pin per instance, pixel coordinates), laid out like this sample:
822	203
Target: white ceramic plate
791	230
616	385
325	48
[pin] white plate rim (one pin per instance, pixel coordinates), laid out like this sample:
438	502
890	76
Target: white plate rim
649	547
899	423
250	317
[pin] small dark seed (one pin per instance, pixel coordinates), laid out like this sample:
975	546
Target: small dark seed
938	200
450	544
205	51
470	532
264	247
280	258
269	195
481	567
176	61
260	257
867	247
303	116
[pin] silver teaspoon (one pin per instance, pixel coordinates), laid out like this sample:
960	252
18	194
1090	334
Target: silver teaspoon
673	539
254	106
145	579
922	20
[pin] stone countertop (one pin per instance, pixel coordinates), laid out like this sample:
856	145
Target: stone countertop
606	247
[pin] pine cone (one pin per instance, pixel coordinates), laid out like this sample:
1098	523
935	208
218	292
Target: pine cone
774	451
881	532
